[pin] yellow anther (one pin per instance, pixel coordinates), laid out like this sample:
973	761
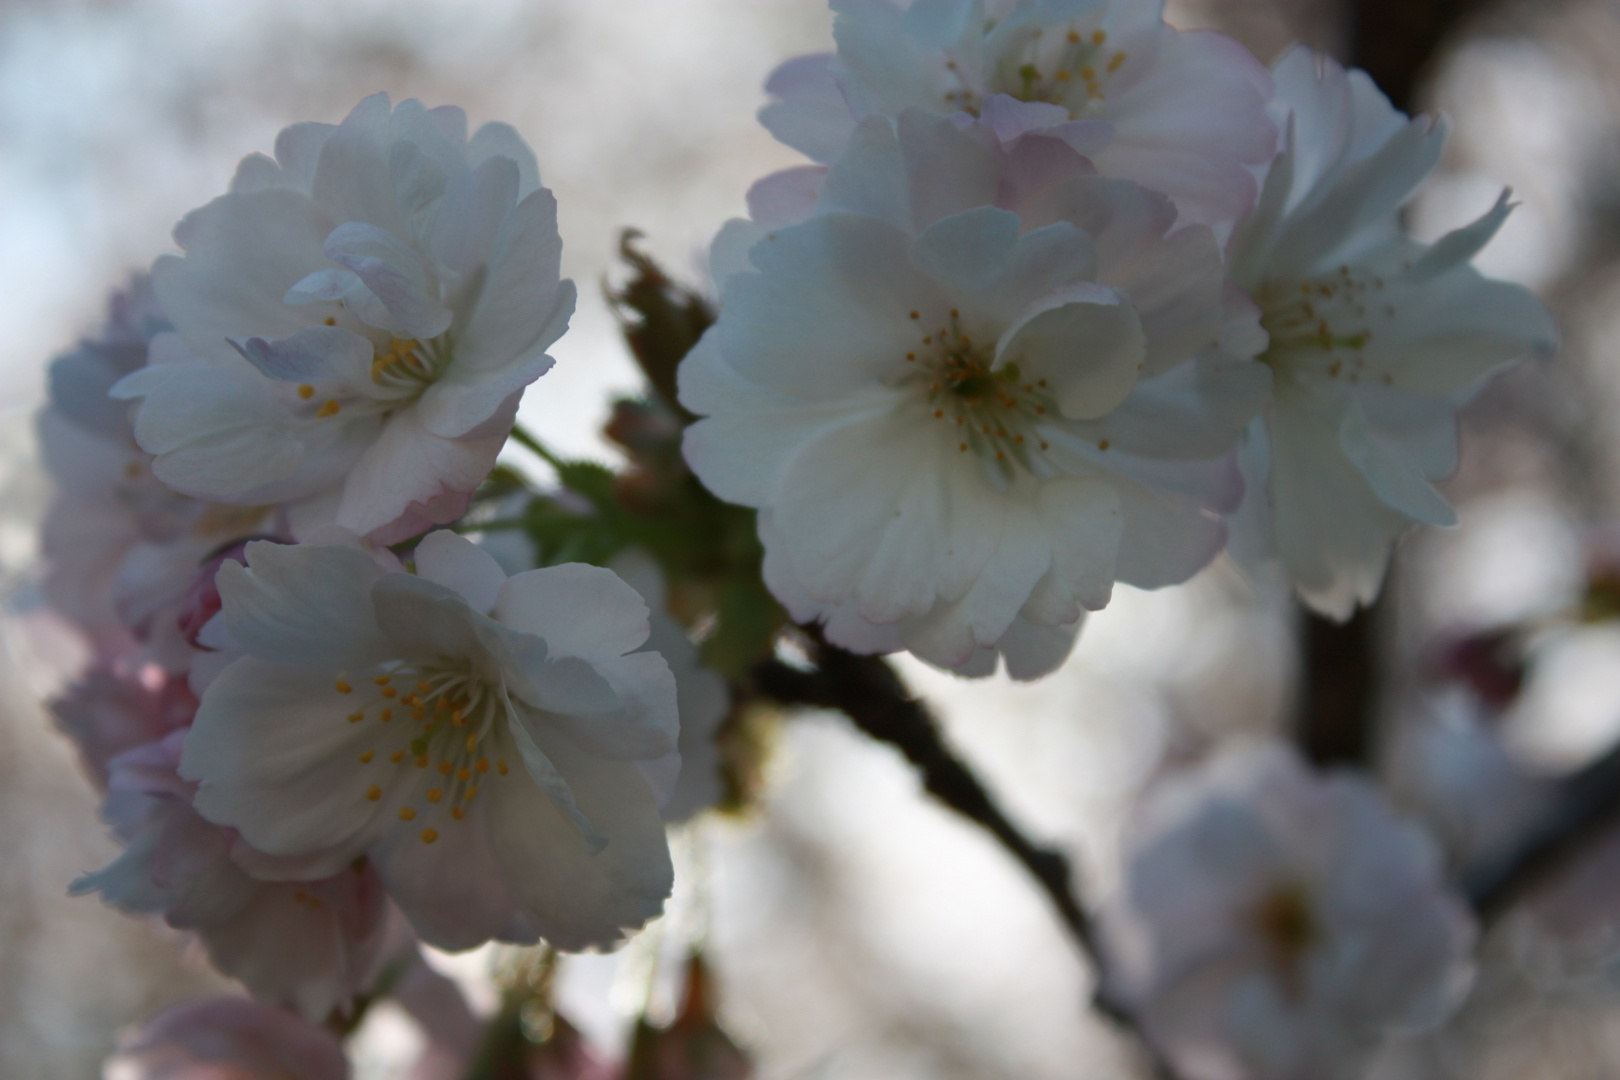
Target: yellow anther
482	764
365	758
406	813
343	687
331	320
421	762
434	795
299	896
916	315
374	793
1103	445
468	797
457	812
306	391
397	756
331	408
422	686
1099	36
1062	75
444	768
1074	37
429	835
464	774
1088	73
500	767
472	743
1116	62
386	715
380	680
356	717
389	691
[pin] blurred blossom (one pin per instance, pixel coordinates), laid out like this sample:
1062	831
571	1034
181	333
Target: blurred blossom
229	1039
1181	113
1275	924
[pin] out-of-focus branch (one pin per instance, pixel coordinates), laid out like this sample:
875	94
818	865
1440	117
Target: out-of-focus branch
867	690
1395	41
1339	689
1585	809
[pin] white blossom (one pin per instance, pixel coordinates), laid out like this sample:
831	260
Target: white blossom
481	738
960	393
356	321
1274	924
1183	113
1375	339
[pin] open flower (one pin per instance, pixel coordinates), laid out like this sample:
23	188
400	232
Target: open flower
1183	113
1375	339
356	322
483	738
1276	923
961	394
229	1039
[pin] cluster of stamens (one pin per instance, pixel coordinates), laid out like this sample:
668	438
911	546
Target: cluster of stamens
1322	328
1074	76
433	720
994	411
406	366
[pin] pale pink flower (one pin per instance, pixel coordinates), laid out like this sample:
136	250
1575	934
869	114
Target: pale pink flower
229	1039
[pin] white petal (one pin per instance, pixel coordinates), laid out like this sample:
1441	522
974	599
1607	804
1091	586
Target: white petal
295	604
524	306
458	563
574	898
991	272
313	354
453	891
1084	339
810	113
396	275
578	610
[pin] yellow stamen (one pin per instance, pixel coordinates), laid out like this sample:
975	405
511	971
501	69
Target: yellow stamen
306	391
373	792
331	408
434	795
344	688
406	813
365	758
429	835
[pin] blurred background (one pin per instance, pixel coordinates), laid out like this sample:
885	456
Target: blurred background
859	932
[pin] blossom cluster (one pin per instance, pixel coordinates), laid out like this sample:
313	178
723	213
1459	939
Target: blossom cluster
1066	298
1073	298
325	730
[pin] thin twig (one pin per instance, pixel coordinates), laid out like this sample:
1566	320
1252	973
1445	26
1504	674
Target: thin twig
868	691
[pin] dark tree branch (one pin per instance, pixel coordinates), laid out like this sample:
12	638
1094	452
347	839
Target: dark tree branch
1585	809
1334	724
867	690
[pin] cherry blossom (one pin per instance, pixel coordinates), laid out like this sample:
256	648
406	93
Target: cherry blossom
356	320
962	393
1183	113
229	1039
485	740
1275	923
1375	339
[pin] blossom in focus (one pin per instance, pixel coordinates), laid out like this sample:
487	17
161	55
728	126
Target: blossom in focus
355	322
1376	340
1183	113
120	546
308	939
956	377
1275	923
492	744
229	1039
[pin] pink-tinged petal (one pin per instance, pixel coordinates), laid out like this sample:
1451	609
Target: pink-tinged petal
579	610
1194	125
786	197
313	946
313	354
459	564
230	1039
1010	118
948	169
881	68
843	624
461	400
993	273
575	898
1085	340
741	413
470	214
1030	652
809	113
243	252
410	477
523	307
1191	412
886	511
648	725
1178	288
276	758
452	890
351	181
296	604
1125	220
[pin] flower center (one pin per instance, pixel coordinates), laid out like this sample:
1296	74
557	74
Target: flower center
1288	927
1322	327
1070	69
993	411
404	369
437	718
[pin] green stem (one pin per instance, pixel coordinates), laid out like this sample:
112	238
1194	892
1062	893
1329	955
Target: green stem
522	437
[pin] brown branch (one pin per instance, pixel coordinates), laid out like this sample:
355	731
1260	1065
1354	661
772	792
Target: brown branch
867	690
